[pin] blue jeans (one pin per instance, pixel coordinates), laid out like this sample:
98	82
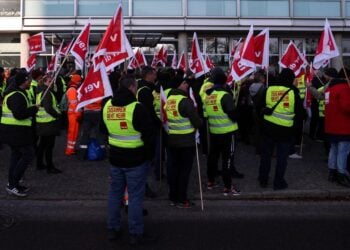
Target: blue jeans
338	155
283	148
135	180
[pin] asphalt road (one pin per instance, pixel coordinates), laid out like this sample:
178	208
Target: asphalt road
269	225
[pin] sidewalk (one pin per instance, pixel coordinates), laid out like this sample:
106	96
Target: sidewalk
86	180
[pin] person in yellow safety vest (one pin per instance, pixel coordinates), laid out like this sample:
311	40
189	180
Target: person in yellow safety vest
131	141
278	127
17	132
207	84
37	75
47	126
222	122
301	85
2	86
74	116
183	121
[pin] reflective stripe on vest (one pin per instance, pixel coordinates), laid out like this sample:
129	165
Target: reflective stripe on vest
118	121
178	125
7	115
156	102
219	122
283	114
202	93
301	86
42	116
321	103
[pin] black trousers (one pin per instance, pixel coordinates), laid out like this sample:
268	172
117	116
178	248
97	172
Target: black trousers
221	145
45	149
180	162
21	157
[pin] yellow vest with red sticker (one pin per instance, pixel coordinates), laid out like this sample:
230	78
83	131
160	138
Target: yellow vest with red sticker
118	120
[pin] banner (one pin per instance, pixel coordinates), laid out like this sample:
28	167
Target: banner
80	48
37	43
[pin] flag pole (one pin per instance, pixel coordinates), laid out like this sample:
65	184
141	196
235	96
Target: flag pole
160	157
199	178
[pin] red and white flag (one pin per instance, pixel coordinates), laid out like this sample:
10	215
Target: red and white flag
248	57
31	62
138	60
209	62
261	45
65	49
54	62
197	64
326	49
293	59
160	57
229	79
195	106
37	43
114	47
95	87
235	48
174	61
238	70
182	62
80	48
163	116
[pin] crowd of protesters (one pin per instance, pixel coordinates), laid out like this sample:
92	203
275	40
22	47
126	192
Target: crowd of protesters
268	112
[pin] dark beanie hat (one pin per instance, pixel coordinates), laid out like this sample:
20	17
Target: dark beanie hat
20	78
176	81
287	76
331	72
218	76
37	73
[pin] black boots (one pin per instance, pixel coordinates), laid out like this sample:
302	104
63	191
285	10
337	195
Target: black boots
332	176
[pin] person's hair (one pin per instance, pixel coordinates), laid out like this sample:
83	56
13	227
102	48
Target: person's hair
286	76
146	70
127	81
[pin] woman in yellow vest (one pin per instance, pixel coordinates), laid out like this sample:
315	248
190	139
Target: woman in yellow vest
278	127
183	121
47	126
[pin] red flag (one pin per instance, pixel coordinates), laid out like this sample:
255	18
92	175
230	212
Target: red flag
248	52
229	77
163	116
182	62
53	65
95	87
209	62
160	57
197	63
31	62
195	106
37	43
174	61
234	48
65	50
138	60
261	45
80	48
293	59
326	49
238	70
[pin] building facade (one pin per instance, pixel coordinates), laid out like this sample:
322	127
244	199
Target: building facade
218	23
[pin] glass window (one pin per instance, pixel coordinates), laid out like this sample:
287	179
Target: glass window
10	61
101	7
319	8
269	8
297	42
157	7
347	8
10	8
311	45
49	8
212	8
218	45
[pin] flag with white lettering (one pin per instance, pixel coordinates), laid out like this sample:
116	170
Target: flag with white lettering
182	62
209	62
66	49
248	52
31	62
197	64
326	49
261	45
95	87
293	59
138	60
238	70
37	43
80	48
163	116
160	57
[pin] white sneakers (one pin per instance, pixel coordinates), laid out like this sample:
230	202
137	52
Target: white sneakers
295	156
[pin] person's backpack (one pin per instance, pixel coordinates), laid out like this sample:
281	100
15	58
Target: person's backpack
63	105
94	151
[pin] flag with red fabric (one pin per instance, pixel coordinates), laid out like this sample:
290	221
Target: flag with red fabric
54	62
66	49
197	136
197	64
261	46
293	59
247	55
174	61
95	87
114	47
37	43
80	48
138	60
238	70
209	62
160	57
182	62
326	49
31	62
163	116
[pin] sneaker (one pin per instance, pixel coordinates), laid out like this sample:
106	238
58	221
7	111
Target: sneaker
186	204
114	234
23	188
15	191
295	156
211	185
142	240
233	191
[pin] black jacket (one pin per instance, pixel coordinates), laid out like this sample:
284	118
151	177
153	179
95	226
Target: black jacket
14	135
126	157
281	133
145	96
186	109
50	128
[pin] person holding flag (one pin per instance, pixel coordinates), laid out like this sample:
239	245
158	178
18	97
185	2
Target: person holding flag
183	120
